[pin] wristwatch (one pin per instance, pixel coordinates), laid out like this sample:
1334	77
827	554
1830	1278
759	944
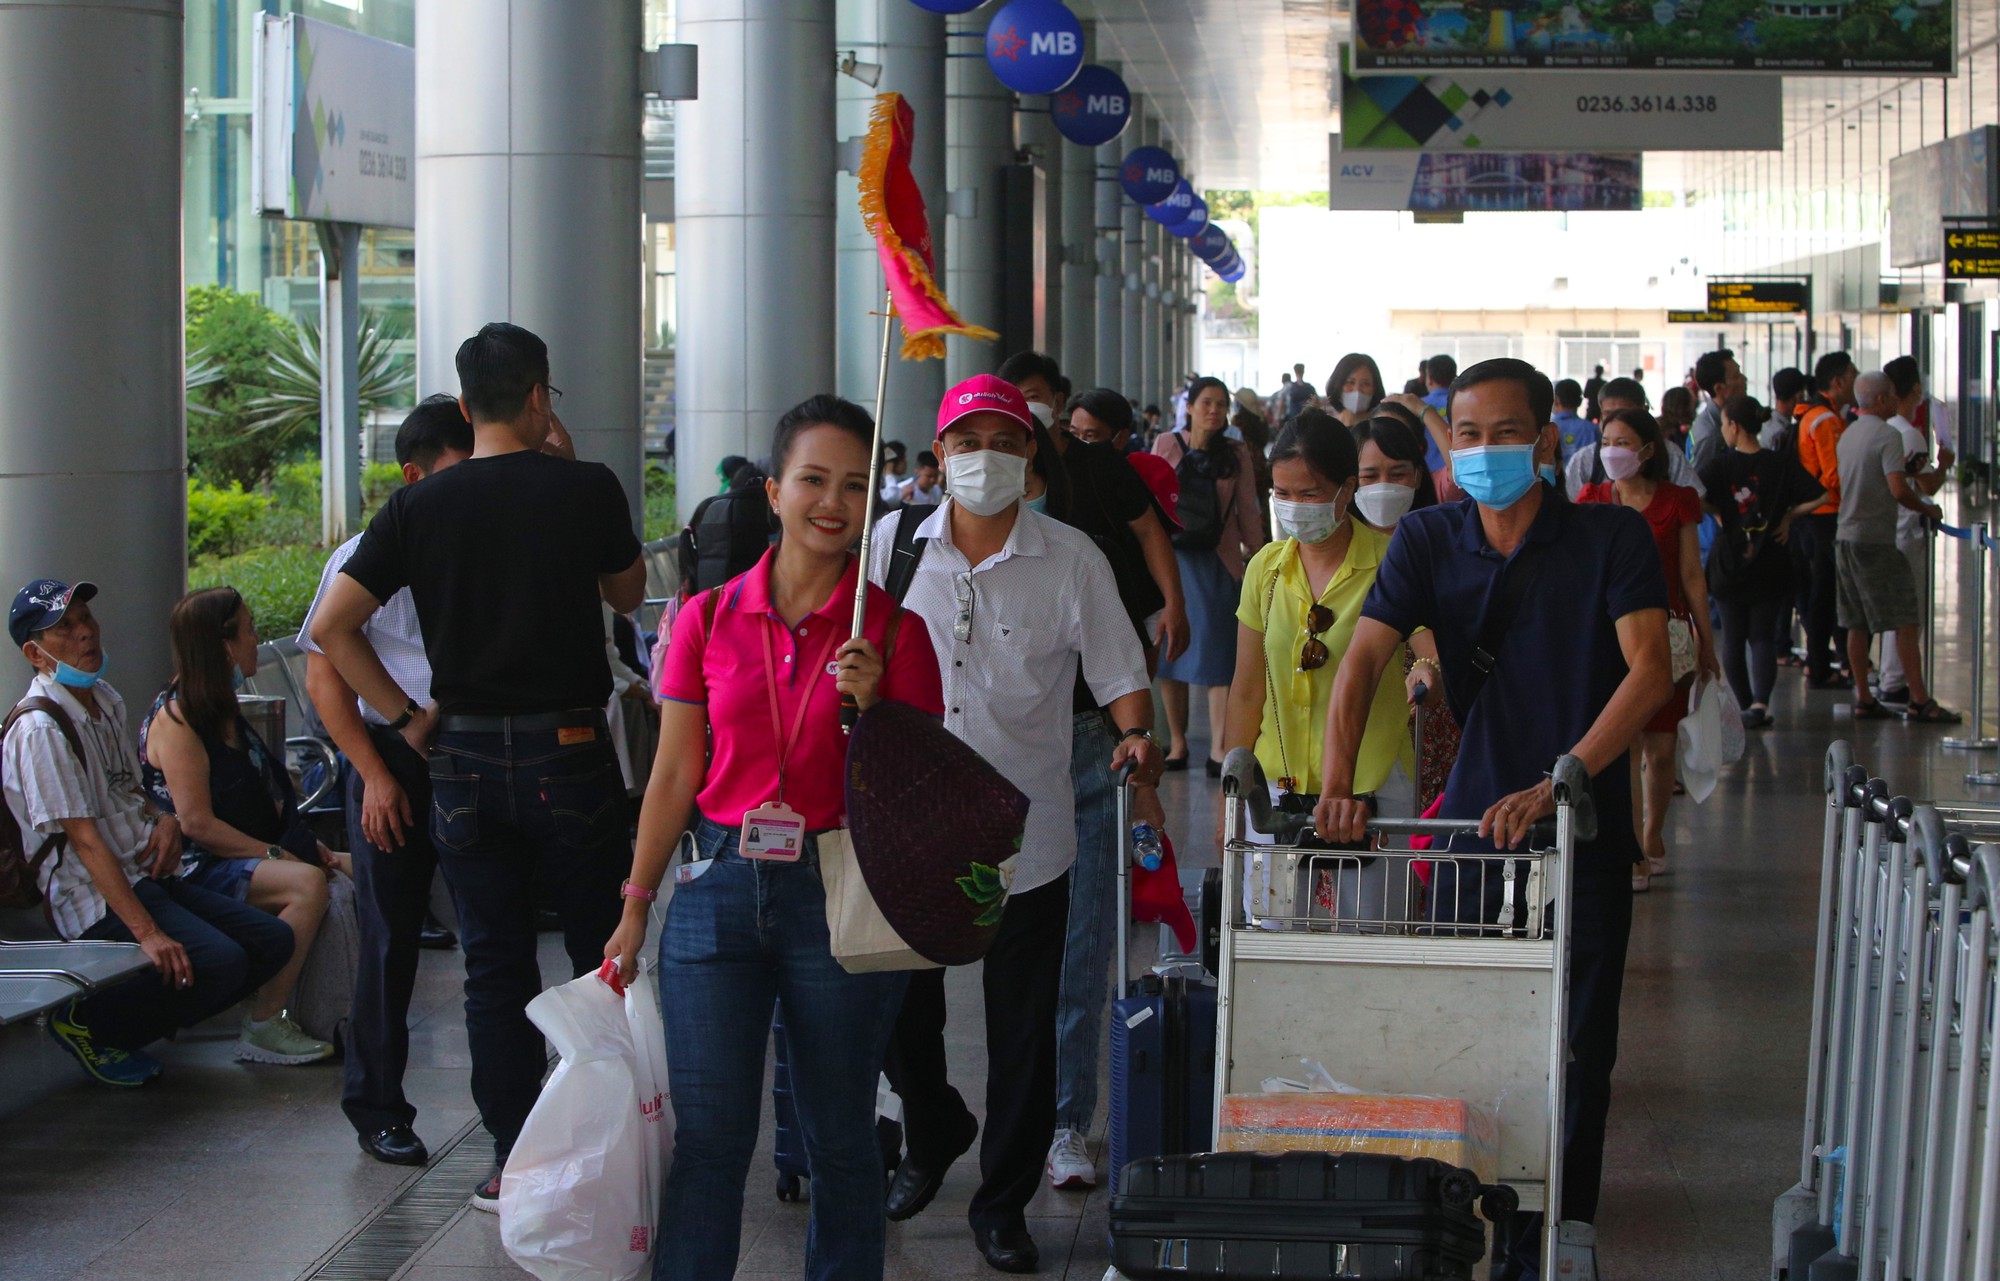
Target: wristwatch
410	710
1136	732
273	852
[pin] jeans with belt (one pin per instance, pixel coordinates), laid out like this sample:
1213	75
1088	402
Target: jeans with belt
1092	922
392	888
739	936
510	799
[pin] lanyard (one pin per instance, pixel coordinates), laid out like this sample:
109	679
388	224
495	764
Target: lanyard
786	744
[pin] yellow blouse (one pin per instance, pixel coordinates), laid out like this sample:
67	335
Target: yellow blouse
1293	731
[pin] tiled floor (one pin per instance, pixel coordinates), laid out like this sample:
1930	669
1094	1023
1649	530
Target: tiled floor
228	1173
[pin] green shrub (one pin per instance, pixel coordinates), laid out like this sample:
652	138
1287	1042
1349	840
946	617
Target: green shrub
277	582
660	517
294	515
221	519
230	336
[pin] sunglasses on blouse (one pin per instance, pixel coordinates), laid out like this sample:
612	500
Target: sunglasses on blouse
1313	654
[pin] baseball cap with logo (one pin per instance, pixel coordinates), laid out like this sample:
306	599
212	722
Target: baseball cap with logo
41	604
984	394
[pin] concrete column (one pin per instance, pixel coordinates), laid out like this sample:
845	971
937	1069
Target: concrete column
1107	266
528	173
1035	132
908	43
1078	255
92	441
754	234
979	143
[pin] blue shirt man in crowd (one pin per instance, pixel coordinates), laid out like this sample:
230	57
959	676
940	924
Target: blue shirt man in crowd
1583	664
1572	428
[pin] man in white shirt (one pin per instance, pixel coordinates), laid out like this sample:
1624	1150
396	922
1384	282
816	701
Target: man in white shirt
388	806
1015	601
107	860
1584	466
1912	531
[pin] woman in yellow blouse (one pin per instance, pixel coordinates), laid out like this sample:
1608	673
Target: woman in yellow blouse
1301	598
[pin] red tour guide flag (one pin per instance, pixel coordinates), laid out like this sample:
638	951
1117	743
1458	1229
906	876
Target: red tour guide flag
892	208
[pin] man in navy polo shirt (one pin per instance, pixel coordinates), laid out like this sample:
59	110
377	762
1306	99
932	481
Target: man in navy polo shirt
1579	668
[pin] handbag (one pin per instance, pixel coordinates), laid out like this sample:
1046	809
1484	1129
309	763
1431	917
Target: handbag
1681	646
860	937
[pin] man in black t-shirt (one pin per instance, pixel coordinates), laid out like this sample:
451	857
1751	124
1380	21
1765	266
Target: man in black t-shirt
506	556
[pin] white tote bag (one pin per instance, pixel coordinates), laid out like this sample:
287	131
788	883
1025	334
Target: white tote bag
579	1199
862	939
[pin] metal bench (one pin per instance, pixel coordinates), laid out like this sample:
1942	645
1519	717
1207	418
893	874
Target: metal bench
24	996
89	963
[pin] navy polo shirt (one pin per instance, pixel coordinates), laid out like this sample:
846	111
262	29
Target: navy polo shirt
1559	663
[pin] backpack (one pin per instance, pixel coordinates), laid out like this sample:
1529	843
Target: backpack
18	868
1200	508
726	535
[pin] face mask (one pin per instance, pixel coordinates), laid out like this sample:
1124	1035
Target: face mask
236	677
986	482
1494	476
1548	473
1620	463
1037	504
1043	414
76	678
1384	504
1307	522
1354	401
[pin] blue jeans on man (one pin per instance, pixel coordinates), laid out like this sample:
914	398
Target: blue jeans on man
392	889
1092	922
233	947
740	936
507	797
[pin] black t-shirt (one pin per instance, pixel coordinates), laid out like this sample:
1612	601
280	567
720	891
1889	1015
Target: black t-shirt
1106	496
502	557
1751	493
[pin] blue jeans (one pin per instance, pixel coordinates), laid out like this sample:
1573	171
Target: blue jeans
1093	893
232	946
506	806
739	937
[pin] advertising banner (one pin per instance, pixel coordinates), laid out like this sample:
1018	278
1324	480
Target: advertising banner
335	127
1475	182
1092	109
1956	178
1844	37
1618	112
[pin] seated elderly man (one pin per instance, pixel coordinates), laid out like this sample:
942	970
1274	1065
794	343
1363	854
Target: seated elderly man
106	859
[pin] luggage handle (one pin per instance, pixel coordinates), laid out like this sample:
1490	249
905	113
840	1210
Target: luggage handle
1122	852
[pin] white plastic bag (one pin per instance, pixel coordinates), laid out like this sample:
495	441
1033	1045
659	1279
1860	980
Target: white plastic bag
1700	738
579	1199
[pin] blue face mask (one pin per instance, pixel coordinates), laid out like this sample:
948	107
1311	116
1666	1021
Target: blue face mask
1036	504
1495	476
1548	473
74	677
236	678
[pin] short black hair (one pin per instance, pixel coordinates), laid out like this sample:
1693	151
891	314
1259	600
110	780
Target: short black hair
896	447
1569	393
1541	395
1023	365
1624	389
1903	373
498	369
1151	409
1711	369
1441	370
814	411
927	459
1829	367
435	427
1323	442
1745	412
1062	386
1107	407
1789	384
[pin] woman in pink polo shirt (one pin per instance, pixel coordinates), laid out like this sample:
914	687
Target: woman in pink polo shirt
747	922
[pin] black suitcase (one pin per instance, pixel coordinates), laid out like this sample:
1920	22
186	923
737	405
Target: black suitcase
1162	1070
1298	1216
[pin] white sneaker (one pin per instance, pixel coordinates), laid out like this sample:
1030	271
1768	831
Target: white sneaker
1069	1162
1642	880
1656	867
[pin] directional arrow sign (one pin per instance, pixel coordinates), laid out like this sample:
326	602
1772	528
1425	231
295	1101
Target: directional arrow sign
1972	250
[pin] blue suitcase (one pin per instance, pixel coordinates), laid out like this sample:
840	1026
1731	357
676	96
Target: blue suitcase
1162	1070
788	1141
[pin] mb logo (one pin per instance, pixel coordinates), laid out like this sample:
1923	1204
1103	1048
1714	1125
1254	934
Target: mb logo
1106	104
1061	44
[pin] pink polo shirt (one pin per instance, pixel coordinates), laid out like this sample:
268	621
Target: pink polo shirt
730	680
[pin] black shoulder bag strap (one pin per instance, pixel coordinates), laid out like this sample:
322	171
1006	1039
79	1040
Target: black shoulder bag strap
907	551
1517	576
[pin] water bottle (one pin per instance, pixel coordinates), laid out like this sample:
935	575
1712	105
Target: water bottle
1146	851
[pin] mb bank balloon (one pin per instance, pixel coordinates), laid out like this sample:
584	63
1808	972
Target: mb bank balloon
1034	46
1149	175
1094	108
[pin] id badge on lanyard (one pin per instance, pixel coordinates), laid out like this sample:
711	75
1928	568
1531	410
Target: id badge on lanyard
774	830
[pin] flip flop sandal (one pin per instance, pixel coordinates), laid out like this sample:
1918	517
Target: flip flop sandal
1931	714
1872	711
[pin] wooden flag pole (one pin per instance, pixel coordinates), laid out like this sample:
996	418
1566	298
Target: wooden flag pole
849	709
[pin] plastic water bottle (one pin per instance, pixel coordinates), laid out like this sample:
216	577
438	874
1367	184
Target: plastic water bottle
1146	851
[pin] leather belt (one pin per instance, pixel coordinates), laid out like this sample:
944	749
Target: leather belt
527	723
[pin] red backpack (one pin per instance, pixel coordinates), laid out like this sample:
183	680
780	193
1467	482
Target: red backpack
18	868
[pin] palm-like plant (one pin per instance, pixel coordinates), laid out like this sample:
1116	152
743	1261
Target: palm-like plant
287	409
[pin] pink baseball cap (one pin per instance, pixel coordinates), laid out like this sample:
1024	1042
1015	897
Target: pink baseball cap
984	394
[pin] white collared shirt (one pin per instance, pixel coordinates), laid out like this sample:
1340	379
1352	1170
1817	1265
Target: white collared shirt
1040	605
392	630
46	785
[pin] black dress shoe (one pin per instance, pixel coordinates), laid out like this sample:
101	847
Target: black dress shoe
397	1145
434	936
1008	1249
915	1183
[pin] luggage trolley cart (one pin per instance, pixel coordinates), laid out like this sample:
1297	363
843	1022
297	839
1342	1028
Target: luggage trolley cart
1420	1003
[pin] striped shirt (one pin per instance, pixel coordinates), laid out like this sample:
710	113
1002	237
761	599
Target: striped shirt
392	630
45	785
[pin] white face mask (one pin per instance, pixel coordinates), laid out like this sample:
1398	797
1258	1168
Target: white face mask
1354	401
1384	504
1307	522
1043	414
986	482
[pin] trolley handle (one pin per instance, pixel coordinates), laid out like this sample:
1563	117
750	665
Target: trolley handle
1243	779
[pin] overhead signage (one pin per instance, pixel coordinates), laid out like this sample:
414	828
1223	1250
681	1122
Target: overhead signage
335	126
1149	174
1210	243
1178	205
1034	46
1972	251
1749	297
1835	37
1196	219
1931	186
1474	182
1697	318
1092	109
1622	112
